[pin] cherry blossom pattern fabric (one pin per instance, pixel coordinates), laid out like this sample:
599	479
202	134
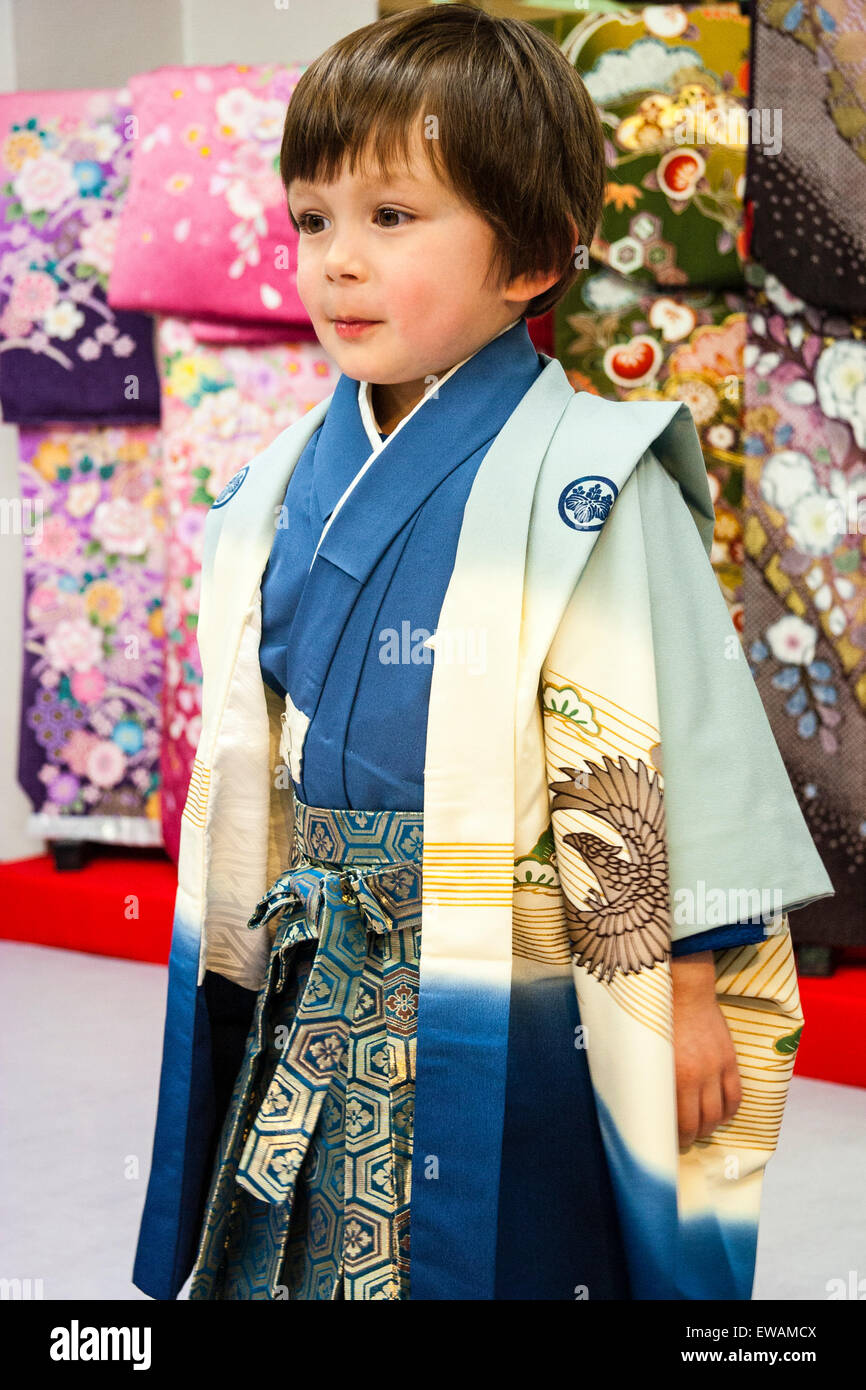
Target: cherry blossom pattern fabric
809	196
94	546
619	339
221	406
805	576
66	355
670	84
206	231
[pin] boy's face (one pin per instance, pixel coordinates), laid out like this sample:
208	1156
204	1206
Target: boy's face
409	255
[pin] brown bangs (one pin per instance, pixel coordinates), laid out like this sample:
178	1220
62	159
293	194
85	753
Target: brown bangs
508	123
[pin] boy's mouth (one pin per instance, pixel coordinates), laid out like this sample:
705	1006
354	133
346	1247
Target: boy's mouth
353	327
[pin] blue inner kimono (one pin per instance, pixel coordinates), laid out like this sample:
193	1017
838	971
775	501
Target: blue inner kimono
338	602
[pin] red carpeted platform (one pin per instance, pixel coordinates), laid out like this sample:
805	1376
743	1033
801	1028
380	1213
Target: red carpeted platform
121	903
832	1045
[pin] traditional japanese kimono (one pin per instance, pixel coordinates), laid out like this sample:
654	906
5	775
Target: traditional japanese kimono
446	893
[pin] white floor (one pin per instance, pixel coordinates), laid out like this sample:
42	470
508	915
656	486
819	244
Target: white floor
81	1040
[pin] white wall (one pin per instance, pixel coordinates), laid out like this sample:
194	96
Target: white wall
267	31
48	44
100	43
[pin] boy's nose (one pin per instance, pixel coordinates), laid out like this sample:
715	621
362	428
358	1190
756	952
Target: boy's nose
342	261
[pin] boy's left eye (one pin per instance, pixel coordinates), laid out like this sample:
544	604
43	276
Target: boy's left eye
394	212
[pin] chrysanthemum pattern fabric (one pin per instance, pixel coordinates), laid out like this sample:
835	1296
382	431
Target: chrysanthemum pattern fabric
65	353
805	578
94	557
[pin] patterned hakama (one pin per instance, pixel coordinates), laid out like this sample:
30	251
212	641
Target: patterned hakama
310	1192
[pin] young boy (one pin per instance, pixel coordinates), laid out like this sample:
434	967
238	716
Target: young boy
418	1112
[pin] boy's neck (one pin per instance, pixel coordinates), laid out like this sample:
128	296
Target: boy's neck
391	404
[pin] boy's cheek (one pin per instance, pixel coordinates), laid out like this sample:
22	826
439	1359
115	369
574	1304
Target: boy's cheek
306	293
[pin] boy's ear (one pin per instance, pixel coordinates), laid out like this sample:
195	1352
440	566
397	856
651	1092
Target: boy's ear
525	288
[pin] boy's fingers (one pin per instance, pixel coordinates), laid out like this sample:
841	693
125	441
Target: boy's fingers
701	1109
688	1115
733	1091
712	1106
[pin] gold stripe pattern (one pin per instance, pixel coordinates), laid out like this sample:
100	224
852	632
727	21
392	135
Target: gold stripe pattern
757	992
195	809
646	996
463	873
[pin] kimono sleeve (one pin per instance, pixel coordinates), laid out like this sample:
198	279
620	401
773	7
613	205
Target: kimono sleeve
739	847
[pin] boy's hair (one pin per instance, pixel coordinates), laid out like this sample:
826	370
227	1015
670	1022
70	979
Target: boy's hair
518	135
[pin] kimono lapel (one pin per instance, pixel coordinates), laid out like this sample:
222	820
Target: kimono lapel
227	846
230	805
383	488
350	438
343	445
239	535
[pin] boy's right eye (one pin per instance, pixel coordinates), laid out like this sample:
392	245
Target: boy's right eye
305	217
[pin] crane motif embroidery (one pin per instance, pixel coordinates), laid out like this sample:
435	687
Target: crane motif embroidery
627	926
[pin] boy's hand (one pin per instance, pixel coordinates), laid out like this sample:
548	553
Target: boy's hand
708	1081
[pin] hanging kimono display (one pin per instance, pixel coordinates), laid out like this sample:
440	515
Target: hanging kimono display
663	318
66	355
206	230
221	405
808	189
93	633
458	970
616	338
670	85
805	607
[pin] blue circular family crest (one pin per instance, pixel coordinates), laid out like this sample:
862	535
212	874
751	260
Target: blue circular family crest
232	486
585	503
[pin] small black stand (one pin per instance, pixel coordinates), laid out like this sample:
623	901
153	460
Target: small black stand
69	855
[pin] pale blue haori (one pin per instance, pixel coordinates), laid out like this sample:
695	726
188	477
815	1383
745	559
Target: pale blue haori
335	598
344	618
